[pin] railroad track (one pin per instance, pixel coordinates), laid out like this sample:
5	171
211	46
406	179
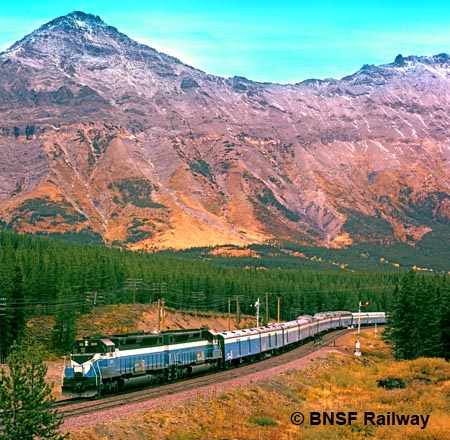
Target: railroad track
77	408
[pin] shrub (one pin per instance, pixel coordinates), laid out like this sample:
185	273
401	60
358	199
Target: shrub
263	421
391	383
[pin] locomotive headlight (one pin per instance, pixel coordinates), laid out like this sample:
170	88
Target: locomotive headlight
78	369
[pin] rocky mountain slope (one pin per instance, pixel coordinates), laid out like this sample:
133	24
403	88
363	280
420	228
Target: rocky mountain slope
100	135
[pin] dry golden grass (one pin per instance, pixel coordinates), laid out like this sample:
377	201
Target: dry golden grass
337	383
232	252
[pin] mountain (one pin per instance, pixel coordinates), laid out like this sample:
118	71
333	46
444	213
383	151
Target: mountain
104	137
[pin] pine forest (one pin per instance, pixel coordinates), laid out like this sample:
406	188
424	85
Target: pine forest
41	276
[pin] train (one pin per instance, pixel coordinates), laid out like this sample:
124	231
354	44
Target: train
108	364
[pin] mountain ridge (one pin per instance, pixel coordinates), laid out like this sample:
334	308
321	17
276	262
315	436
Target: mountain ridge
121	141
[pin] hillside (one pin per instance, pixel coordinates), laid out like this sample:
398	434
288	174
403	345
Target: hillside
333	382
111	140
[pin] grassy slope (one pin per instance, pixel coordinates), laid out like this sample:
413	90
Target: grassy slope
336	383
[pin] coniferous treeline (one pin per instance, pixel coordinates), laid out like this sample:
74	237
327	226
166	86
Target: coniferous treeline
419	323
44	276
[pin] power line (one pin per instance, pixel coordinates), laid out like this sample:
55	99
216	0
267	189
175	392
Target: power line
202	300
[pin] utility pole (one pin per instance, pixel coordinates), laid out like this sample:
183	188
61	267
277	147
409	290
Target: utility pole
159	315
2	313
163	313
156	291
134	284
267	307
94	303
278	309
229	314
2	306
238	317
94	298
159	290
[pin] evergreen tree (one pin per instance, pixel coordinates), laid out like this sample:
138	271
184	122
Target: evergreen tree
444	324
65	328
432	341
403	317
12	315
46	266
416	306
419	322
18	315
26	399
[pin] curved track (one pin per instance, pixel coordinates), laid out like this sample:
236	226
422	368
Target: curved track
72	409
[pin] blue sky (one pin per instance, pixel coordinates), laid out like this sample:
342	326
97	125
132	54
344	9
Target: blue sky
282	41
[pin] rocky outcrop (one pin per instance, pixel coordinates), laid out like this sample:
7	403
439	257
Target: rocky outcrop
102	135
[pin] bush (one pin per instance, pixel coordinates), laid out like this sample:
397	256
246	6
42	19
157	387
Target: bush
263	421
391	383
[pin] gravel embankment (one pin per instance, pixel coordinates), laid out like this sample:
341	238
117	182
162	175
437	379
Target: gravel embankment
172	399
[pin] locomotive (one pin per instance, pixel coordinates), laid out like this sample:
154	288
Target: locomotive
107	364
